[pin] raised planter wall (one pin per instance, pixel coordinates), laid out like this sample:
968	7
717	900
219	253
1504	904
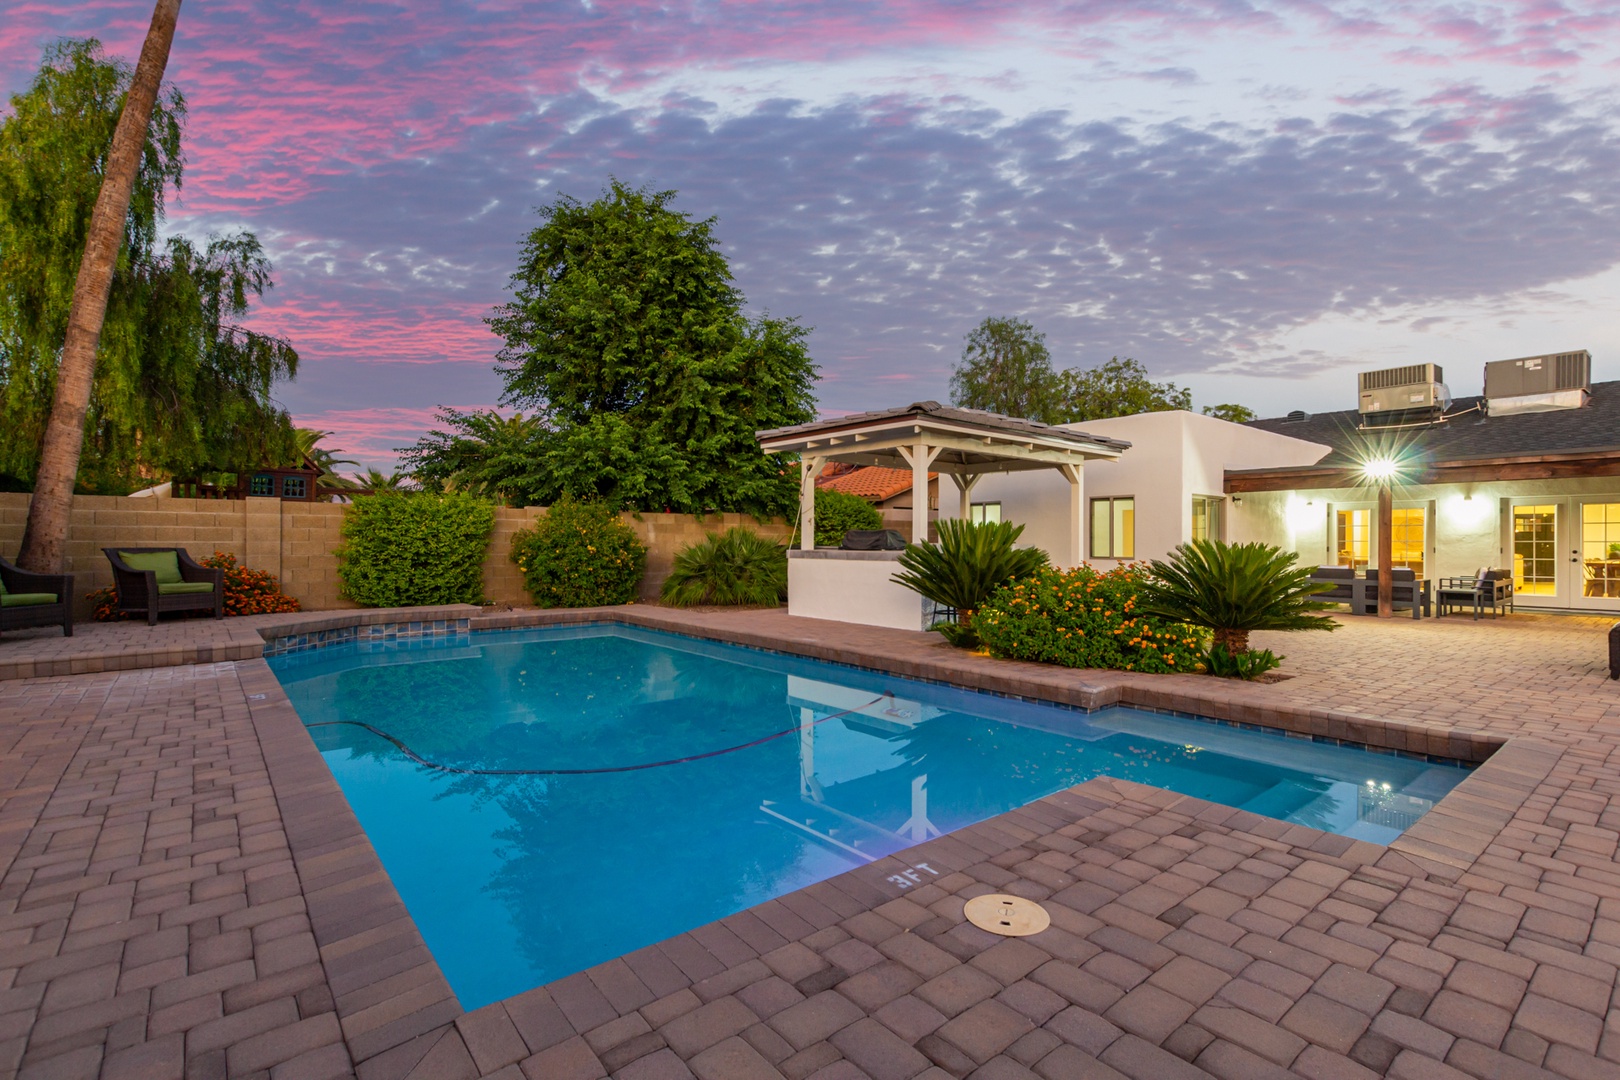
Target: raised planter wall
297	541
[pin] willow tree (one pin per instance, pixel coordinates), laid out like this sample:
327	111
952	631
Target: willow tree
121	353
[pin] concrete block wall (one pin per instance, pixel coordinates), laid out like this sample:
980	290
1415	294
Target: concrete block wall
298	541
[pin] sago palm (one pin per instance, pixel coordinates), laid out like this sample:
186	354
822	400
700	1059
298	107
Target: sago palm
1233	589
971	561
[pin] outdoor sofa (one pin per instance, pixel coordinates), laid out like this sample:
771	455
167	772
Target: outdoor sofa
156	580
35	599
1342	578
1407	591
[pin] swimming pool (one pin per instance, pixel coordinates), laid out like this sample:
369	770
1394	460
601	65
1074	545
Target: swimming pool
684	780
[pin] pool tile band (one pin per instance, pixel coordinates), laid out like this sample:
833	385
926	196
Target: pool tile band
366	633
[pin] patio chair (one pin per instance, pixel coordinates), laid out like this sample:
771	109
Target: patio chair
155	580
1488	588
35	599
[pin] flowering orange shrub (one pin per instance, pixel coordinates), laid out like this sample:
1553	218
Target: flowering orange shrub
101	605
250	592
1085	618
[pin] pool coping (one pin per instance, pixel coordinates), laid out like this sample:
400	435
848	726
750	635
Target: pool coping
398	1013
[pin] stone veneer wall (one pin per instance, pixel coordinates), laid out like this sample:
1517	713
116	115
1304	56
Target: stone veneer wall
297	541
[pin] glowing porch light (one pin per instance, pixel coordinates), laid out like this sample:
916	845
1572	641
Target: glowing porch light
1381	469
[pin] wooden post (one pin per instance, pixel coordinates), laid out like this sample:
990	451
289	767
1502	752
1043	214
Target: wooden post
1386	549
810	468
919	493
919	457
964	486
1075	475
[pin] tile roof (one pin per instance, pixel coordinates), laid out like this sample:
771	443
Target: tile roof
872	482
1467	431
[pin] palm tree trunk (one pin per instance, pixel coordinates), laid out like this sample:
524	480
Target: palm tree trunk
1236	641
44	546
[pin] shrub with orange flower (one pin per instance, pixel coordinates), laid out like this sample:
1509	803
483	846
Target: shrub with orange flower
250	592
1086	619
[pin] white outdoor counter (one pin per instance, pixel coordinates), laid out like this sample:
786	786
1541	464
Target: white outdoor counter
852	587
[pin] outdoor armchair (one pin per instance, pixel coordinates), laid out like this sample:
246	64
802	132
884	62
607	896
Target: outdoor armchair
35	599
1488	588
155	580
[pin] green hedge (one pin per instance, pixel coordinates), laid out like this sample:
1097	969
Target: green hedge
413	549
579	555
1085	619
837	512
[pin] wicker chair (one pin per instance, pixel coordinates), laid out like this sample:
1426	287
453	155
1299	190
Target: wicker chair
35	599
140	589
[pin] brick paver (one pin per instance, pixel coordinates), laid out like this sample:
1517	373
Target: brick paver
186	894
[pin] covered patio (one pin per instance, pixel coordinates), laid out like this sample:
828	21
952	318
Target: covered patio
925	436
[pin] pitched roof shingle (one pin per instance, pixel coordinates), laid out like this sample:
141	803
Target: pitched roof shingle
1467	431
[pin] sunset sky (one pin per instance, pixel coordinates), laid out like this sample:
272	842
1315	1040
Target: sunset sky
1255	200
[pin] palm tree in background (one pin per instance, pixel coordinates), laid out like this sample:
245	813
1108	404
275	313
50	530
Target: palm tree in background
374	479
44	546
327	460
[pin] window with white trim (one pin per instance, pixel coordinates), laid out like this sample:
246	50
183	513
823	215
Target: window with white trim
1113	528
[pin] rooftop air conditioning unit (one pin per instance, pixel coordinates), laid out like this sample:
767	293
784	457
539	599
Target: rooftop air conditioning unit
1404	394
1538	383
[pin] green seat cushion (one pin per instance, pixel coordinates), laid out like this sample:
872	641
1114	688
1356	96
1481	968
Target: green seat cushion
2	586
165	564
173	588
27	599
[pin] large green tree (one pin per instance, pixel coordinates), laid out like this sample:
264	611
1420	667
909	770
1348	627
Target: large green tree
1007	369
1116	388
1235	414
626	330
176	385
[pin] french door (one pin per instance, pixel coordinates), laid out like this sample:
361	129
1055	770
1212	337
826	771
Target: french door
1595	554
1566	552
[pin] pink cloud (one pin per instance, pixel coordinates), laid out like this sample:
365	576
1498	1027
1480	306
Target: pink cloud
371	436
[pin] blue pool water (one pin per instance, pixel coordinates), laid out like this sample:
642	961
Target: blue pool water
495	869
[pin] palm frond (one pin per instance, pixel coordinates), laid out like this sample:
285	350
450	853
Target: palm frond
735	567
1235	588
971	561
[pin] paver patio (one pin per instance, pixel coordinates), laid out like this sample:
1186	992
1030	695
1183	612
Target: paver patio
186	893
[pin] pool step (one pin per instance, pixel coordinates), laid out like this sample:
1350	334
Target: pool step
850	835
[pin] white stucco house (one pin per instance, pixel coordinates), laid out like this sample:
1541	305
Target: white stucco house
1523	476
1168	487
